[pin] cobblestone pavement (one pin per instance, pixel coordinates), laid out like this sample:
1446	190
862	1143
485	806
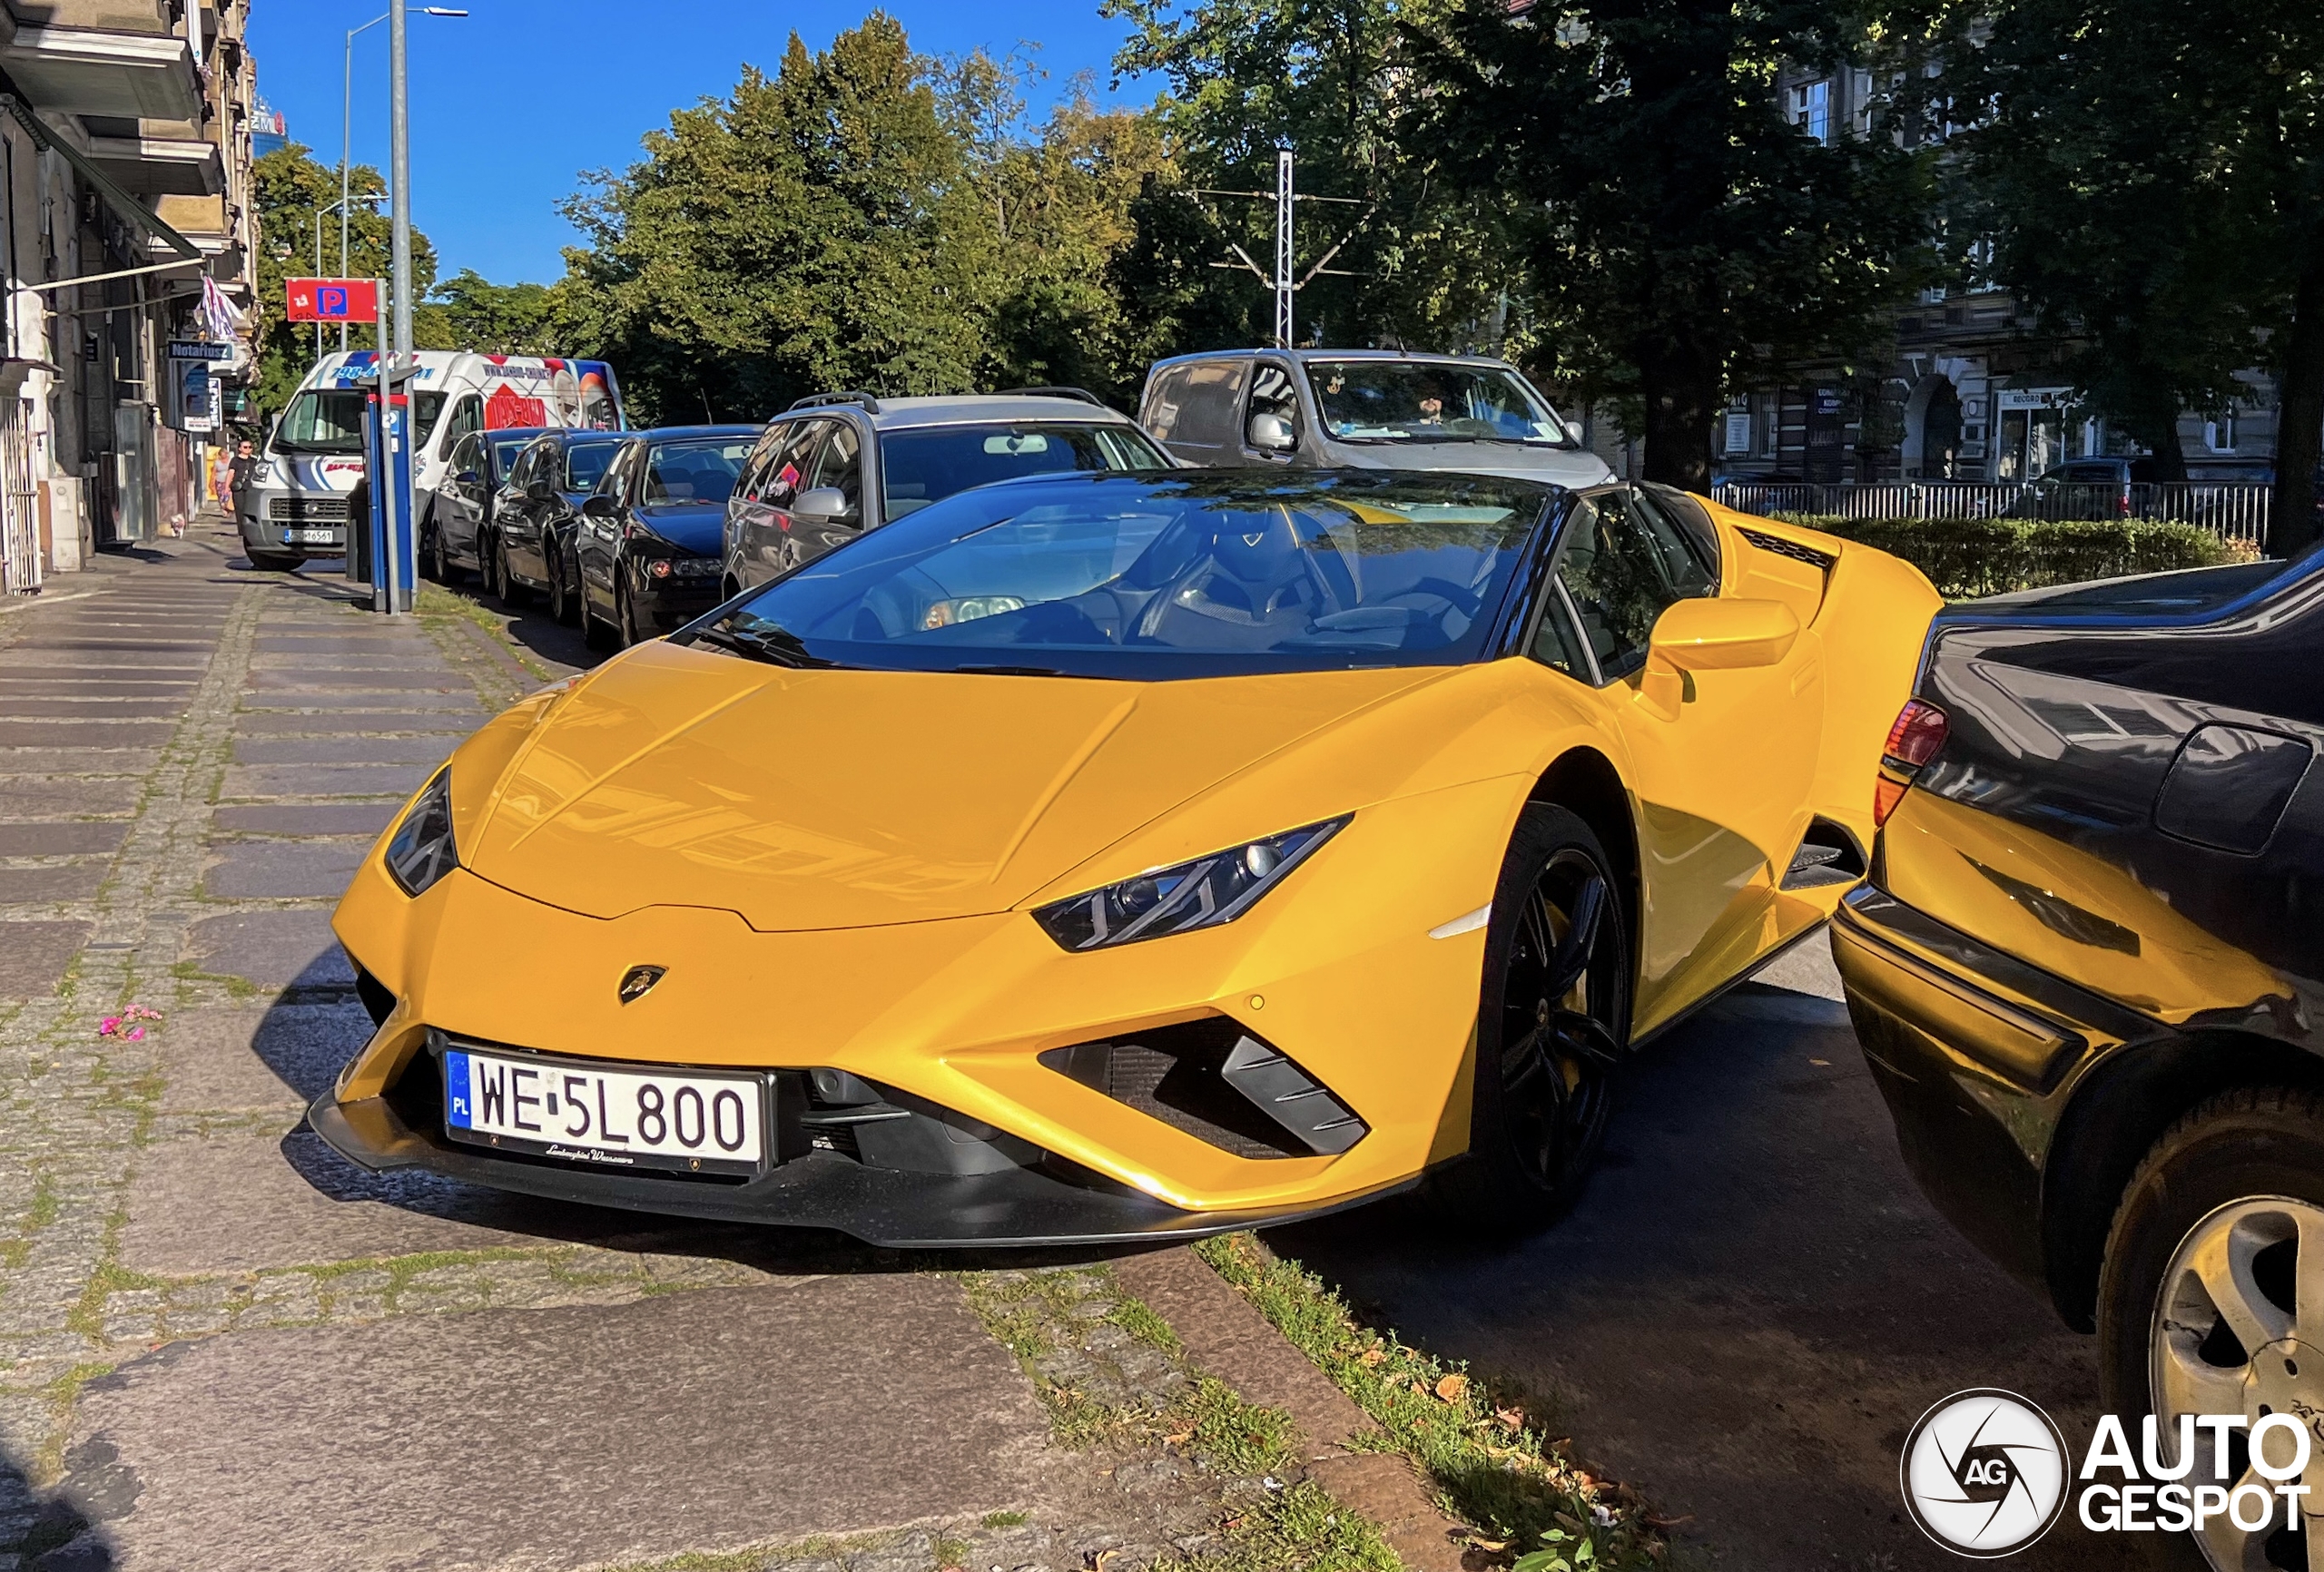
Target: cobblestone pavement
222	1346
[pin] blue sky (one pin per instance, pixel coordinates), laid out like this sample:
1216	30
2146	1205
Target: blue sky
510	103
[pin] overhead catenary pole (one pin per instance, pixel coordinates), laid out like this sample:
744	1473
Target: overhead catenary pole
1285	288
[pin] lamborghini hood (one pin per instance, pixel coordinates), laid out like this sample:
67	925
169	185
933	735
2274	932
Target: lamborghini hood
807	800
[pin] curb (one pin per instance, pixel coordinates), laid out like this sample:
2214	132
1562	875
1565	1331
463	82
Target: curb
1226	1337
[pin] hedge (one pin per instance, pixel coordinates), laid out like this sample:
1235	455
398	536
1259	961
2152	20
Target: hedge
1968	557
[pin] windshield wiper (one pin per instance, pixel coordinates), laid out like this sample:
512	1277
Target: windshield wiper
775	646
1014	671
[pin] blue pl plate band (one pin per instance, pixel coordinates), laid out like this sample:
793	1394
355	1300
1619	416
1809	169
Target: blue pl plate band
455	1089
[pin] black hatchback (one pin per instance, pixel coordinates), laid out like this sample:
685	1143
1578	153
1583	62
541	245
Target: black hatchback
2088	972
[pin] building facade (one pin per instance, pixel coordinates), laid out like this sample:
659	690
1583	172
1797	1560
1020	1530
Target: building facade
127	238
1966	389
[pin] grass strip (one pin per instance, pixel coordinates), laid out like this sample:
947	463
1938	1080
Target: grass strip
1491	1464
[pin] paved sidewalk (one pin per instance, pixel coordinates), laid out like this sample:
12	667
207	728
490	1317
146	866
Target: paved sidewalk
222	1346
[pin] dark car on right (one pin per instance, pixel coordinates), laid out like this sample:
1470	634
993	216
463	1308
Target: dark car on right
2087	969
536	512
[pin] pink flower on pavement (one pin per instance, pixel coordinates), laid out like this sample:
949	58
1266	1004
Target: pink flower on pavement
136	1034
108	1026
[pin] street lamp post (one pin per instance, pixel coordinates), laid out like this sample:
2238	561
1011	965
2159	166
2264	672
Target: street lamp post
347	125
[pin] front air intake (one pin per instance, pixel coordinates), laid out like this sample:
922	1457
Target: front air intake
1218	1084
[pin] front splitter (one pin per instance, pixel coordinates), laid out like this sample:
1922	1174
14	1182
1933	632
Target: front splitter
882	1206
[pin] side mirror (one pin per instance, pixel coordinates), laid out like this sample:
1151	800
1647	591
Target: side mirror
1271	433
821	502
469	477
1723	635
537	491
601	508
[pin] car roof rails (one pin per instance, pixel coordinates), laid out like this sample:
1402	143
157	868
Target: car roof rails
813	400
1083	394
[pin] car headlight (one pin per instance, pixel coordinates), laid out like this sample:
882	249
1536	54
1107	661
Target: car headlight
421	851
1203	893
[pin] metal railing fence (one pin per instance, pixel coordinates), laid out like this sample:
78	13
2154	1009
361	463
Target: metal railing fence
2235	510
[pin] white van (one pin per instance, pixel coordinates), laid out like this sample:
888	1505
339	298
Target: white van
296	507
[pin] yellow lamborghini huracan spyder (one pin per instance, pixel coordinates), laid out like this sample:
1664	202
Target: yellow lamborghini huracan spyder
1142	854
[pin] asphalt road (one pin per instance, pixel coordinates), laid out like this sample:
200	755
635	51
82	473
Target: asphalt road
1751	1306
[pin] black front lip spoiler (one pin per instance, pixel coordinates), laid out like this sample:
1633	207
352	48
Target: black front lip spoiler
880	1206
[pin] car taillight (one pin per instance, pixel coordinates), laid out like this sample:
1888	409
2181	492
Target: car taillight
1913	742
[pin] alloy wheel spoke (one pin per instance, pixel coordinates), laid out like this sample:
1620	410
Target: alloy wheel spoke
1587	1038
2228	1546
1521	1060
1573	956
2308	1281
2223	1263
2188	1386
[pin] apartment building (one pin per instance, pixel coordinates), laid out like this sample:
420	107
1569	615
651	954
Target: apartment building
127	240
1966	389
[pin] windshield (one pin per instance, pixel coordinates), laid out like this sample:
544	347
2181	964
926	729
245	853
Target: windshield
1190	575
918	468
504	451
331	421
1431	401
585	462
700	470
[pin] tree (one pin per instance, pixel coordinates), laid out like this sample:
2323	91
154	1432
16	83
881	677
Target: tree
1682	235
500	318
2095	171
1424	262
292	189
812	231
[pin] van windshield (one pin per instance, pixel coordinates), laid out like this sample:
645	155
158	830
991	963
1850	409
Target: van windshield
1431	401
331	421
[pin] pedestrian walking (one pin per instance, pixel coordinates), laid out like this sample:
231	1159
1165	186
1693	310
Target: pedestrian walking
241	472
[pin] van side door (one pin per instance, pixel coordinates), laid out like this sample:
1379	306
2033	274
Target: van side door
1196	407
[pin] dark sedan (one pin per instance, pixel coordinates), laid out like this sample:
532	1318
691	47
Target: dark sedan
650	539
2087	971
461	534
535	511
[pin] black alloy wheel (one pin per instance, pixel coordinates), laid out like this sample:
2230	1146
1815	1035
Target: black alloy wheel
597	634
1553	1025
564	605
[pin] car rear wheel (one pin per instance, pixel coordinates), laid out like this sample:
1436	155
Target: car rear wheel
1551	1024
440	559
2212	1300
564	605
504	587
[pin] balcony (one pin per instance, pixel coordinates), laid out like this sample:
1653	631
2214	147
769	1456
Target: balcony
153	166
75	70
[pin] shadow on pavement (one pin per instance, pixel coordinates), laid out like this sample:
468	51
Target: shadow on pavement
1749	1307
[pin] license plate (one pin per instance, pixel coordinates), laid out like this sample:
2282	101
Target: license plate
310	537
604	1115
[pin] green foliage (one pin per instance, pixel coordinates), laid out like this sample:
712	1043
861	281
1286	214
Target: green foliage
1489	1460
1683	236
1968	557
1423	261
292	189
865	218
2097	180
500	318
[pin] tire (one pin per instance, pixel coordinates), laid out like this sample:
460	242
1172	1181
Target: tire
2244	1169
272	562
625	614
1543	1084
440	560
504	586
596	632
564	605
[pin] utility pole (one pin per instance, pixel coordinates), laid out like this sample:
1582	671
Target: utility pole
1286	282
1284	287
400	134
